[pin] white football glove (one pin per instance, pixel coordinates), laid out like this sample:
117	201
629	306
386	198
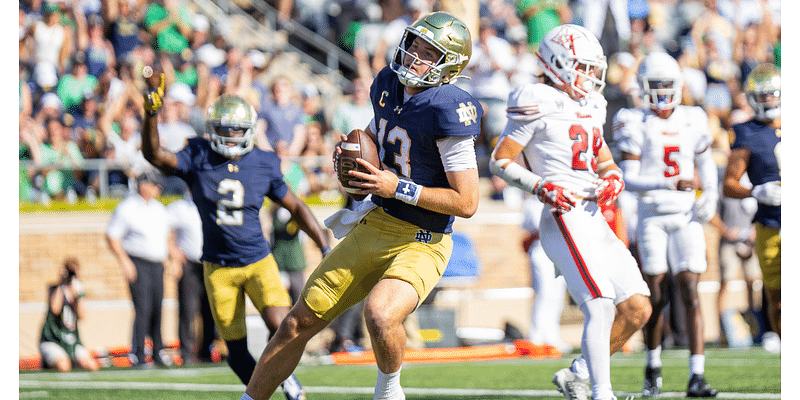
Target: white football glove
705	206
768	193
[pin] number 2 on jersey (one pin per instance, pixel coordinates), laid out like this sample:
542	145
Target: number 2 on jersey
229	210
581	145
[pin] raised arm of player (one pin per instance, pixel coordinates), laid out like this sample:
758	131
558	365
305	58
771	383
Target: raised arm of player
160	157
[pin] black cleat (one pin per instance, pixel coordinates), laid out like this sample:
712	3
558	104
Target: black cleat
652	382
699	388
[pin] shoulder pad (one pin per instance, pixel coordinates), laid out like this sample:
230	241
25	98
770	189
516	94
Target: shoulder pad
529	102
624	120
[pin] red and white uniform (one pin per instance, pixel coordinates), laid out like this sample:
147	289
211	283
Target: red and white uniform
561	139
668	233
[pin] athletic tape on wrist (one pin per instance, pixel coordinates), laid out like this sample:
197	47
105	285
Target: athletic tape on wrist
407	191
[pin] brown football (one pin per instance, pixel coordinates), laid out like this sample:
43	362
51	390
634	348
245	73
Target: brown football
358	145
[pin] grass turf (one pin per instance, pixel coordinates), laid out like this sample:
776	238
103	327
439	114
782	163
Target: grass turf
737	374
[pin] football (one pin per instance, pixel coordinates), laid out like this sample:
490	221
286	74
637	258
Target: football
358	145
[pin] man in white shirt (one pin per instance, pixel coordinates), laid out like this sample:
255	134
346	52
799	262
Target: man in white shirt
137	235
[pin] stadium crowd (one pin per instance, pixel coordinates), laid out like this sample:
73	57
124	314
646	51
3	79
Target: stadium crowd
81	64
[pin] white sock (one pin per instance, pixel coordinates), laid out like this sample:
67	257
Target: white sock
580	368
697	364
246	397
654	357
598	317
387	386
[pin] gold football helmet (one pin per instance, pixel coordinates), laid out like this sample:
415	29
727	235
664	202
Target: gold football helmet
447	34
763	89
229	114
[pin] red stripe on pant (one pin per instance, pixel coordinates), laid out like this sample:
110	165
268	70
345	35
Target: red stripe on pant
576	256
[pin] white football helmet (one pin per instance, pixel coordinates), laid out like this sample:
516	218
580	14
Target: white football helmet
232	113
763	88
569	51
661	80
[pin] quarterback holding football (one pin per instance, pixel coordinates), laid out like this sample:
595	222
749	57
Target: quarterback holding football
397	249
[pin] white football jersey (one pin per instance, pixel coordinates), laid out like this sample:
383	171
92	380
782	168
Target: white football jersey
666	147
561	137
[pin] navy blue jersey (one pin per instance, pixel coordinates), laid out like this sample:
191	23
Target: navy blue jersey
229	195
407	134
764	143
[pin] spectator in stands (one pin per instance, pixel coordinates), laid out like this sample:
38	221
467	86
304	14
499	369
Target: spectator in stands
45	79
311	101
169	24
25	96
185	249
60	343
284	118
28	151
99	50
72	86
173	127
201	32
53	40
122	27
137	235
539	16
501	15
90	140
394	30
712	39
123	149
355	111
57	149
316	166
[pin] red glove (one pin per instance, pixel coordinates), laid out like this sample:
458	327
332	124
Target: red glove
609	188
554	195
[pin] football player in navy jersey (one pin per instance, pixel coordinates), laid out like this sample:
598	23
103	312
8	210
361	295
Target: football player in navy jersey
229	179
397	247
756	149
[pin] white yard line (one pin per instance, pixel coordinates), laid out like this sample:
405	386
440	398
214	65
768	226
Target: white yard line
467	393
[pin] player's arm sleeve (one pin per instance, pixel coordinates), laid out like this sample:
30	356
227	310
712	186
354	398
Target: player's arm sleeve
707	169
636	182
458	153
704	160
525	107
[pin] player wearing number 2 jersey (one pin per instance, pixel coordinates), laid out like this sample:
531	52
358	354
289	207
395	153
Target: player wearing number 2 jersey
229	179
661	147
557	127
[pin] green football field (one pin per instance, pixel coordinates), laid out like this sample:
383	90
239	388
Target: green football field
737	374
